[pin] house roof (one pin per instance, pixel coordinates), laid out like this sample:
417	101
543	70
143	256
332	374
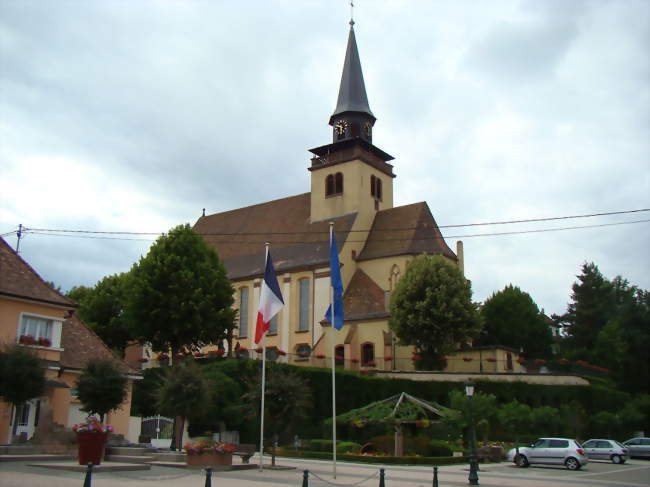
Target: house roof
405	230
80	344
239	236
19	280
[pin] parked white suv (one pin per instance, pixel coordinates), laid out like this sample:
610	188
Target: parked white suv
550	451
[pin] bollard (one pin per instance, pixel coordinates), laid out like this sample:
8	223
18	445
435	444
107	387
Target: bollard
382	474
89	475
208	477
305	478
435	476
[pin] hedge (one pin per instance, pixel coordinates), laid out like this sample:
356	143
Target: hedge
381	460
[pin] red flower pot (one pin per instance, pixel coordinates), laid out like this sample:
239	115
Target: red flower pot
91	447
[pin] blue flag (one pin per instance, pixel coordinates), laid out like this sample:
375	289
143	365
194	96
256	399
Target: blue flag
337	286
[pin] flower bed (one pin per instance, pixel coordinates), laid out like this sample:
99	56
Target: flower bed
204	454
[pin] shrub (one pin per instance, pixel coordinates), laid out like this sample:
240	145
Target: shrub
439	448
348	447
383	444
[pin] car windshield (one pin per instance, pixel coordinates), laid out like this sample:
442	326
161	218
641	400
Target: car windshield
619	444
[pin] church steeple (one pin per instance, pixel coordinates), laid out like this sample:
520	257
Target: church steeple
352	117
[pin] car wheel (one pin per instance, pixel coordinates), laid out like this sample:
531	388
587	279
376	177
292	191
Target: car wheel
572	464
521	461
616	459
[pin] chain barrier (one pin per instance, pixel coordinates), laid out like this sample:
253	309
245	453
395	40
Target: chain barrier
343	485
157	479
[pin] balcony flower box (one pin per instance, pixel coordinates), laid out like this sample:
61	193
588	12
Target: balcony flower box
27	340
491	359
354	360
388	358
259	349
371	363
319	355
467	359
44	342
281	352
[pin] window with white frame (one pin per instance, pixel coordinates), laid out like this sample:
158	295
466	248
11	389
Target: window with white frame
243	312
36	327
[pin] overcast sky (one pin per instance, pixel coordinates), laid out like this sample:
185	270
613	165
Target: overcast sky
133	116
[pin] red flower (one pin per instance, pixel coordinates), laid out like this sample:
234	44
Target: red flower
563	361
27	340
388	358
583	363
179	355
467	359
540	361
370	364
198	354
162	356
354	360
416	357
259	349
320	355
303	354
44	342
242	349
339	357
491	359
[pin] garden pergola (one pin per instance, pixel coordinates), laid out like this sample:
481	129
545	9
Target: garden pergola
398	410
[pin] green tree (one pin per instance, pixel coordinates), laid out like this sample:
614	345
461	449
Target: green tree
102	307
545	420
482	408
102	387
179	295
22	376
287	401
184	393
512	318
432	309
591	307
514	417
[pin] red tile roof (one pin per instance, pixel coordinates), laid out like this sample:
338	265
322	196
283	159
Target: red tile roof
364	299
81	344
19	280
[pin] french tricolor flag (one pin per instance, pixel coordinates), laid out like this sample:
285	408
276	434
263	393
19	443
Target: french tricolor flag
271	301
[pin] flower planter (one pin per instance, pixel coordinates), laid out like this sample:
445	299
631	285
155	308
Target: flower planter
91	447
208	459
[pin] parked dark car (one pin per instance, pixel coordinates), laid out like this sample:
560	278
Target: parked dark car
638	447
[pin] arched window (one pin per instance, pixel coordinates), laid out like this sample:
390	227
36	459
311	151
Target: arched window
338	186
329	185
303	351
367	353
243	312
339	355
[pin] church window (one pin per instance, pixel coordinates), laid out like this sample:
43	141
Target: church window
339	355
303	351
329	185
334	184
303	318
367	353
243	312
338	183
375	187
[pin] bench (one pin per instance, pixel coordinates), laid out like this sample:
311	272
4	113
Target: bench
245	451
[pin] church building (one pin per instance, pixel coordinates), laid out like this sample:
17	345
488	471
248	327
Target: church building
352	188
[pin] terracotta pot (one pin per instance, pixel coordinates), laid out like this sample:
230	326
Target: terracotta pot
209	459
91	447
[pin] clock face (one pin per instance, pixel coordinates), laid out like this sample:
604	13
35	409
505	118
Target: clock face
341	127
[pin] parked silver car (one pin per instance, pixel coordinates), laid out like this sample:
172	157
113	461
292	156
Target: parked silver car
599	449
550	451
638	447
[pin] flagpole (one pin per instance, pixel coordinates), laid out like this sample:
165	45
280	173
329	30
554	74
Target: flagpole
333	362
263	379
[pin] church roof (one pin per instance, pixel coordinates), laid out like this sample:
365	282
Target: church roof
364	299
19	280
296	243
405	230
352	92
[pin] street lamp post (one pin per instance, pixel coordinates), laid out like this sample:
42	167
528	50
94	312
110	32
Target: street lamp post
473	463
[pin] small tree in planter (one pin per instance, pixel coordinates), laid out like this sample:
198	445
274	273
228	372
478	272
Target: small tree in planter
102	387
21	375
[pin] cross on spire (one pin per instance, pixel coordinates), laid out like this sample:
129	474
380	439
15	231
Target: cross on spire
351	12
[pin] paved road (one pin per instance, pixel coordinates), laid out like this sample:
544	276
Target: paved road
635	473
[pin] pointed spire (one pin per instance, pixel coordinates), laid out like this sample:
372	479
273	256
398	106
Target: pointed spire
352	92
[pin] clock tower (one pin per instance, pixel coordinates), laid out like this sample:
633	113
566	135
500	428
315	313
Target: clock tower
351	175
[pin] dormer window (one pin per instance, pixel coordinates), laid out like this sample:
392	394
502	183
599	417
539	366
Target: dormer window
334	184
